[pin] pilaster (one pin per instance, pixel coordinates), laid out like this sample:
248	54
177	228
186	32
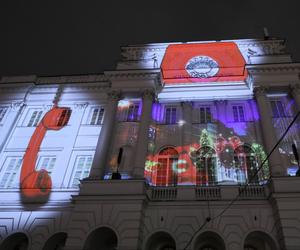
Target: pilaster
142	141
268	132
104	142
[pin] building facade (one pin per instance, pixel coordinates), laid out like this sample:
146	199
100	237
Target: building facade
189	127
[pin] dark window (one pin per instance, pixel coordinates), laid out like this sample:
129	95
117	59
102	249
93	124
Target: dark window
205	115
238	113
171	115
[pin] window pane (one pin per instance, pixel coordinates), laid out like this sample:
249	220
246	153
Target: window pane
235	114
241	114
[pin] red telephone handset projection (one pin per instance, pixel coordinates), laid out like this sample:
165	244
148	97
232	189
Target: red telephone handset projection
38	183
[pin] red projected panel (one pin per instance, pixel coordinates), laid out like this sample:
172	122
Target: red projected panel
203	62
38	183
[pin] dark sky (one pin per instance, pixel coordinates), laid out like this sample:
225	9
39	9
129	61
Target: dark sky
81	37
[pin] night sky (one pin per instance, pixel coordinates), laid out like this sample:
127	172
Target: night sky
82	37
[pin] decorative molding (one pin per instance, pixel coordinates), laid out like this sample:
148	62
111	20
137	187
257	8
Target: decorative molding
80	106
291	67
16	105
72	79
133	74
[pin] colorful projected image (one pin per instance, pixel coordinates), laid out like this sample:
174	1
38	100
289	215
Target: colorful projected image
224	148
223	161
203	62
38	183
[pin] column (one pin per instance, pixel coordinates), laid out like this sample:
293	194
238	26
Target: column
104	141
268	132
142	141
295	91
187	125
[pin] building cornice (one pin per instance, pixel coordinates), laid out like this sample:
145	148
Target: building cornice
133	74
273	68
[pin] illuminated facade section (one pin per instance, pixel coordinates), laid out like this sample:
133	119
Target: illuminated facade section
195	121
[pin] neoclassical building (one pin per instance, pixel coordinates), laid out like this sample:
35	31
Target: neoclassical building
172	150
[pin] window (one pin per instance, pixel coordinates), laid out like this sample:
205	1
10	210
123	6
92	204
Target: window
47	163
171	115
96	116
277	109
206	166
35	118
205	115
238	113
3	111
165	173
83	164
246	164
132	114
9	178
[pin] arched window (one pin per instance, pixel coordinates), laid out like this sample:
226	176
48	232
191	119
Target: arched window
209	241
258	240
206	166
166	171
160	241
56	242
16	241
102	238
246	164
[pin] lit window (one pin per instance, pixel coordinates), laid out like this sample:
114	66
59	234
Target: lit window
132	114
35	117
171	115
9	177
3	111
246	164
96	116
205	115
238	113
165	174
83	164
277	109
47	163
206	166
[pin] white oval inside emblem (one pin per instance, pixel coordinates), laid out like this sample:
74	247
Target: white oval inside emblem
202	67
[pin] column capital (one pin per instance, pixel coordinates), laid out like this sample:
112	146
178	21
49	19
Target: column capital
295	89
16	105
148	94
114	95
186	104
260	91
220	101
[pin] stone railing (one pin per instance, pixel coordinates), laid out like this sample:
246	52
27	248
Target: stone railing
204	193
163	193
252	192
207	193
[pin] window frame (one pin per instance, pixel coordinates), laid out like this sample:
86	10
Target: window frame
173	112
16	173
97	122
205	109
239	115
73	166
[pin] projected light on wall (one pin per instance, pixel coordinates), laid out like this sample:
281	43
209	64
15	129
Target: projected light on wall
38	183
203	62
